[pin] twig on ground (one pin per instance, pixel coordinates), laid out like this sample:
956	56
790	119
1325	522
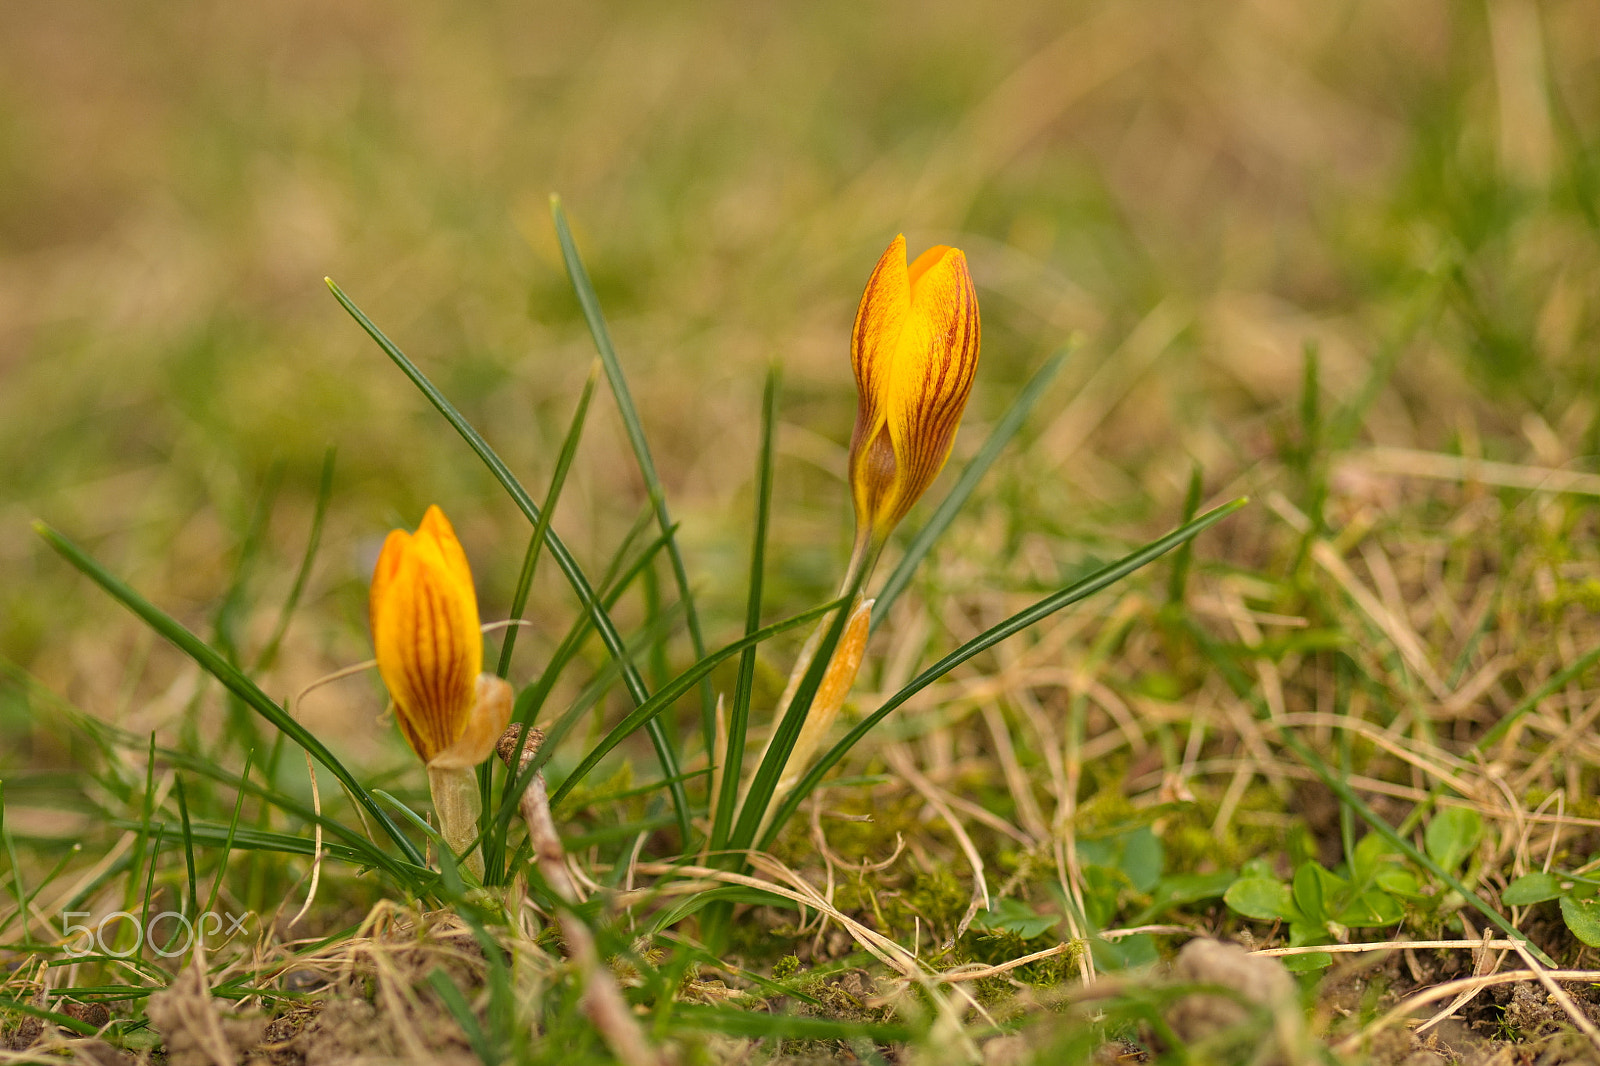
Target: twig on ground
602	998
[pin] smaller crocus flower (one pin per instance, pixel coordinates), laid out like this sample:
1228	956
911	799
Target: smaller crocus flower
424	616
915	352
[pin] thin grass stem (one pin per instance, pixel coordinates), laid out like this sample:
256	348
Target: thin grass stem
587	298
739	715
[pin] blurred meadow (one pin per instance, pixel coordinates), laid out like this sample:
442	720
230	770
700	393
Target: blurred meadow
1200	199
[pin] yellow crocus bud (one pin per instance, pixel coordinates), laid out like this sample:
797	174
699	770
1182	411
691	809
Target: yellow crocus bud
425	629
915	351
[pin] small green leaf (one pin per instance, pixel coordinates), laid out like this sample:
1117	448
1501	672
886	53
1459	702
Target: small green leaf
1262	898
1015	916
1399	883
1312	960
1304	932
1142	858
1318	891
1531	888
1373	854
1126	953
1181	889
1452	835
1102	892
1583	918
1375	907
1308	891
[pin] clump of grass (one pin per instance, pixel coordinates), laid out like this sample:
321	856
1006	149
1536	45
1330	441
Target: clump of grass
1401	635
418	864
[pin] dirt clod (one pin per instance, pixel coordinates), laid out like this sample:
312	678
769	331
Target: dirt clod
195	1032
1259	980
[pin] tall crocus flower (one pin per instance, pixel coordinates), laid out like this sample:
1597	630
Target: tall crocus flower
915	351
424	616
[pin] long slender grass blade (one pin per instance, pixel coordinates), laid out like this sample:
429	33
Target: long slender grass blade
665	752
1101	579
233	829
1178	581
269	651
641	447
530	560
232	679
753	812
739	716
150	881
16	867
360	850
461	1011
188	844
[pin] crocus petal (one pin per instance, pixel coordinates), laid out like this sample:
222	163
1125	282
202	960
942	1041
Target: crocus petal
876	337
932	373
491	712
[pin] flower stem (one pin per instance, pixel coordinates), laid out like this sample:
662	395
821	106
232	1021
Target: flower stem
457	803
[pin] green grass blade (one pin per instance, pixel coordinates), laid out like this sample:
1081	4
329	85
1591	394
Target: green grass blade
988	639
147	811
232	679
461	1011
150	880
586	699
269	651
531	699
753	811
188	844
677	687
233	829
1179	579
530	560
641	447
971	474
665	752
16	868
66	1021
739	716
225	620
578	633
361	850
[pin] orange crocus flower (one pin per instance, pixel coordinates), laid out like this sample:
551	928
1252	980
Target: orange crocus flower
429	646
915	352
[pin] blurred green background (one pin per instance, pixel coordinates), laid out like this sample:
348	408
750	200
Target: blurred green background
1199	189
